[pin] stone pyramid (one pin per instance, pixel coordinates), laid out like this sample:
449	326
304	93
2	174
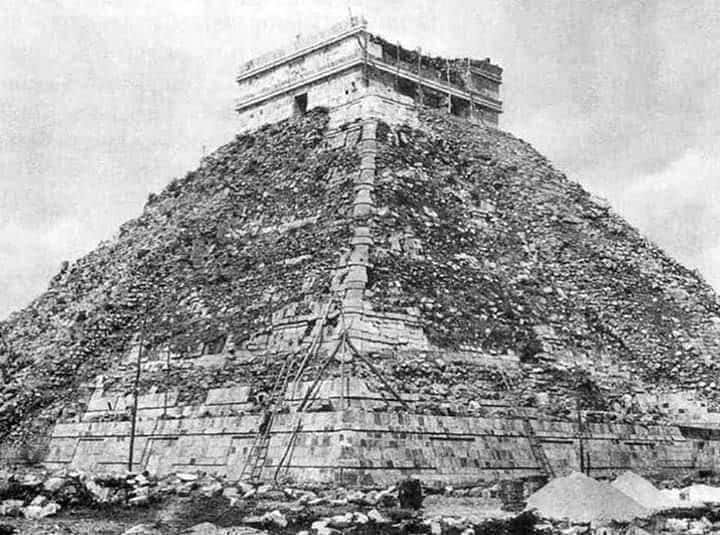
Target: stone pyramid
359	297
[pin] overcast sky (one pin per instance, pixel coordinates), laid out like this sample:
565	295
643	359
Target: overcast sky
102	102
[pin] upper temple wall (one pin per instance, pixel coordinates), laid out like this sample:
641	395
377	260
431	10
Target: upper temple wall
301	70
338	66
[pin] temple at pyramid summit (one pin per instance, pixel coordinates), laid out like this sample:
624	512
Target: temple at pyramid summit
342	66
371	281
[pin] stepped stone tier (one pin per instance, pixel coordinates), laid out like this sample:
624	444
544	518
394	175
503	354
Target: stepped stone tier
367	290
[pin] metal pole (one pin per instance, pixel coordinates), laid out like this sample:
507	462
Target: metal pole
135	392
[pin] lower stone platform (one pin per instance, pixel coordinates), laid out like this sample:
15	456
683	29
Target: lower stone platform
360	447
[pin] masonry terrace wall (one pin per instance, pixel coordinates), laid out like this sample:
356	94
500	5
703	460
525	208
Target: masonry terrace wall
358	447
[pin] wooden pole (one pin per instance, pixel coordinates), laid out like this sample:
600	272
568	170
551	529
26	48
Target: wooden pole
419	87
342	360
449	95
366	76
377	373
167	382
133	423
5	349
314	347
318	378
587	463
397	64
580	438
287	456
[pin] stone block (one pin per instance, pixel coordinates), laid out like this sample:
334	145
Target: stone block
222	396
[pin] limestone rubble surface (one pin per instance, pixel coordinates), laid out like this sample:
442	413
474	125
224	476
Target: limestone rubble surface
474	233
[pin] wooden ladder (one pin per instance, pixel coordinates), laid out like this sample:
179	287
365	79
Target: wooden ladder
537	449
536	446
257	457
295	363
287	456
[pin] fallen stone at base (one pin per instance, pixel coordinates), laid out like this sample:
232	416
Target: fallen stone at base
37	512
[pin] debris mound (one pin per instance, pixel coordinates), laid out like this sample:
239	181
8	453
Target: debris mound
702	493
643	491
579	498
476	238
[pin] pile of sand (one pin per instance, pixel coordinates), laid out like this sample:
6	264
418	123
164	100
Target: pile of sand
644	492
579	498
680	498
702	493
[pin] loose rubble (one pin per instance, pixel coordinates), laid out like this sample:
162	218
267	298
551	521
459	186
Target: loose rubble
474	233
702	493
250	509
198	266
497	251
476	238
40	502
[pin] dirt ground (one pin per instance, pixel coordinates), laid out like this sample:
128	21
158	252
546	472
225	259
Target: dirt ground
474	509
176	515
84	521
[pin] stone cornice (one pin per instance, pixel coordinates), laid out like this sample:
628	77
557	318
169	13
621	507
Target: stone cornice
285	58
473	96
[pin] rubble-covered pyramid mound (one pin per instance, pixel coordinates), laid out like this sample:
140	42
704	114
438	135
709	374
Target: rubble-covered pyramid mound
474	233
495	248
198	264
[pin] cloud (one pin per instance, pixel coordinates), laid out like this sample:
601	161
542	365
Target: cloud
31	256
679	208
708	261
634	74
621	96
